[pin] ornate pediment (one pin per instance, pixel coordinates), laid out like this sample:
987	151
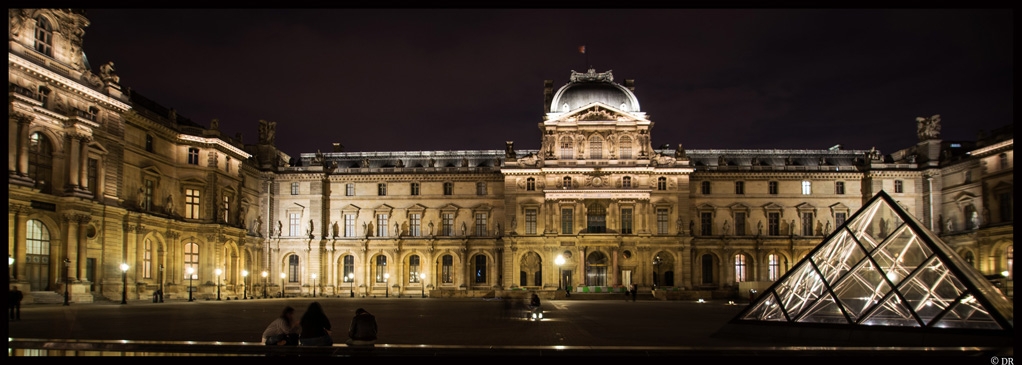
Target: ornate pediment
595	114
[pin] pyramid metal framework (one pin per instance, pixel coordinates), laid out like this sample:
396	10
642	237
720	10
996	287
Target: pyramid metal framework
883	268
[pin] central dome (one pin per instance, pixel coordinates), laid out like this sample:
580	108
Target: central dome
591	87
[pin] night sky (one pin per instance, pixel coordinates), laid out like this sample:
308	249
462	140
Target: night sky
448	79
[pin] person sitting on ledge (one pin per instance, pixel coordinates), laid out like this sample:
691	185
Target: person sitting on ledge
363	329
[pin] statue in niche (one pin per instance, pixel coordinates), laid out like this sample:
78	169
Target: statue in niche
464	229
397	229
259	225
791	228
759	228
108	73
679	223
975	220
727	228
819	228
430	228
514	224
365	229
826	229
169	206
334	229
141	198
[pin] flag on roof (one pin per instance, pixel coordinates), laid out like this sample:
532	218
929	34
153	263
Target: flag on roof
582	49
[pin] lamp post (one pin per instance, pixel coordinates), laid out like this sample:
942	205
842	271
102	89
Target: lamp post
191	275
656	275
218	272
161	284
10	266
386	285
422	283
244	275
124	279
351	279
560	274
67	279
266	282
282	284
313	285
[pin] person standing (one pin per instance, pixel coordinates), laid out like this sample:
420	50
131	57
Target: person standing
363	329
15	297
282	329
315	327
635	291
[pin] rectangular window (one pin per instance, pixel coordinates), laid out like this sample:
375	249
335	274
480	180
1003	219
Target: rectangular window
705	187
739	187
225	209
839	187
772	187
839	219
447	224
349	225
381	269
349	269
191	256
294	188
381	189
626	221
193	156
567	220
415	224
774	224
150	189
448	188
481	224
480	269
294	224
381	225
807	187
530	221
740	224
349	189
661	184
807	224
706	223
740	268
530	184
147	259
415	189
92	179
446	269
899	187
774	267
661	221
192	203
480	188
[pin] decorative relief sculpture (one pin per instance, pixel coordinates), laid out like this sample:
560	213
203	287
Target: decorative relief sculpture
108	74
928	128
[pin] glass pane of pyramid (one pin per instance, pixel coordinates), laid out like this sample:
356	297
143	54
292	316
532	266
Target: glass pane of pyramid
766	310
901	254
931	289
967	314
838	256
861	290
891	312
799	290
824	310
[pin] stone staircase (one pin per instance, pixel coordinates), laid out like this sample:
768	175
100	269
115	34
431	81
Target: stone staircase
45	297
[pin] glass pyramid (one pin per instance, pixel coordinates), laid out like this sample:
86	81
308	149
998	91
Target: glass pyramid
883	268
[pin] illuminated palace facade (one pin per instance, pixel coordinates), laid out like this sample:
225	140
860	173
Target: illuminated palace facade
99	175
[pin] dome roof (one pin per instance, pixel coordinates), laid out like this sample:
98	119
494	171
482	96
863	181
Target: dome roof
587	88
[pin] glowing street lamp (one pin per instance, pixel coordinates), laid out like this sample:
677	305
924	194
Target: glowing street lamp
386	285
161	283
218	272
560	274
266	282
313	285
282	276
351	278
422	283
656	277
191	275
124	288
244	275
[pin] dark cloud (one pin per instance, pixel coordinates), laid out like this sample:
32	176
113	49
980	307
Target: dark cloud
432	79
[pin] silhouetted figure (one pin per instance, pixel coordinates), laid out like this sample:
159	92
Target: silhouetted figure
15	297
315	327
363	330
282	329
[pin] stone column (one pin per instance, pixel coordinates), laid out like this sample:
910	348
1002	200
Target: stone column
83	163
21	144
82	245
73	159
20	235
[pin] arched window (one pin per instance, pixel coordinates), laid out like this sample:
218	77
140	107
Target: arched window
349	268
192	260
626	147
40	161
596	218
413	269
567	148
43	36
37	255
740	268
381	269
530	184
479	269
596	269
446	269
595	147
293	269
661	183
773	267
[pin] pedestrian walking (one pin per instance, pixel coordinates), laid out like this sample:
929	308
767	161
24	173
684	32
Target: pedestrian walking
15	297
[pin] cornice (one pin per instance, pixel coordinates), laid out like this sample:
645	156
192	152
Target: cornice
66	82
994	148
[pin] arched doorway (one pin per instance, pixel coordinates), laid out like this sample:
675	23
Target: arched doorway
531	272
596	269
37	256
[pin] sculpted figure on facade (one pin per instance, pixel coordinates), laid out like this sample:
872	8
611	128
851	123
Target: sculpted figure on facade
267	131
679	152
726	228
928	128
108	73
759	228
430	228
280	229
509	149
169	205
214	124
791	228
464	229
259	225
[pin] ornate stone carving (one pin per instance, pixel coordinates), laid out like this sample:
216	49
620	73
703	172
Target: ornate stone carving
928	128
592	75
